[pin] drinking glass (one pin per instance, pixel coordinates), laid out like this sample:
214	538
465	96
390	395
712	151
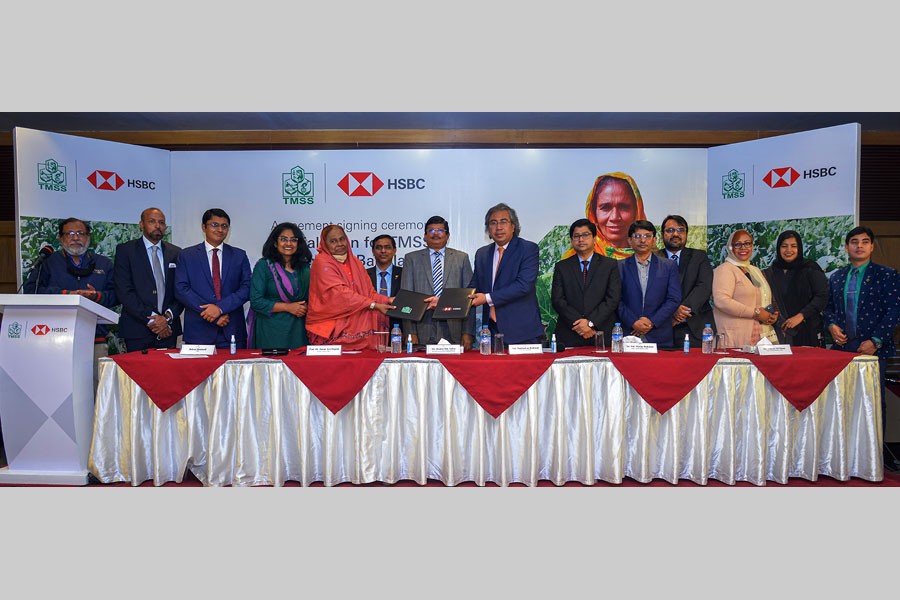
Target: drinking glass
720	344
599	342
382	341
499	343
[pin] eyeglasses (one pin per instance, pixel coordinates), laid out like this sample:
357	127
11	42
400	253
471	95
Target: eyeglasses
582	236
671	230
215	225
72	234
642	236
285	240
436	231
494	222
742	244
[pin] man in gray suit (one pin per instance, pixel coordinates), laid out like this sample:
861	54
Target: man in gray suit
443	267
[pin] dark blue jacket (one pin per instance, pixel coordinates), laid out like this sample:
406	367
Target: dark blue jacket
658	304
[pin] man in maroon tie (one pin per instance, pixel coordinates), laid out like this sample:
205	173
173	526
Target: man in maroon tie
212	281
585	290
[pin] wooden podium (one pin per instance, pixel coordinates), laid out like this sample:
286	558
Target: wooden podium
46	386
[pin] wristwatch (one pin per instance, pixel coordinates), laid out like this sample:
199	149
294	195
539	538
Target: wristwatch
877	344
591	324
372	306
756	311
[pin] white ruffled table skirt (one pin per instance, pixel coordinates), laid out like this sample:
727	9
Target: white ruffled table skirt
254	423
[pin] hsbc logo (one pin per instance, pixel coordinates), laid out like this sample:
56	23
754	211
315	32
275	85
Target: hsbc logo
105	180
360	184
783	177
40	329
366	183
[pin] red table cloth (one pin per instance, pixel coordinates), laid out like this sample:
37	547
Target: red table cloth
496	382
803	375
334	380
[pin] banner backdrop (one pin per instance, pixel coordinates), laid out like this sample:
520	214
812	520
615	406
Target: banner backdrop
807	181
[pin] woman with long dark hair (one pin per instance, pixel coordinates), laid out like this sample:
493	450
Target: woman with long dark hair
800	289
279	289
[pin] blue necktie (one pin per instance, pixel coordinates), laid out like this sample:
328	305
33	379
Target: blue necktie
383	288
851	305
675	258
437	274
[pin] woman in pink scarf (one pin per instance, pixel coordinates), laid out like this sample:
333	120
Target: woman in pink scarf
343	306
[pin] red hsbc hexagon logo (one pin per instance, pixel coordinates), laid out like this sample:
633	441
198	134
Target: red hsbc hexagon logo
360	184
783	177
105	180
40	329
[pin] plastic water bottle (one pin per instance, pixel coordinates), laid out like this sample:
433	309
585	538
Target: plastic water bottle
707	339
409	343
617	335
396	339
687	343
233	346
553	344
484	340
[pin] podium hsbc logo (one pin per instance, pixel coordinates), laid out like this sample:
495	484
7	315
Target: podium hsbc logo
40	329
360	184
105	180
783	177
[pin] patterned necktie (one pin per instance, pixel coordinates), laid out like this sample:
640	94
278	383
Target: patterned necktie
158	276
499	258
851	305
675	259
382	289
437	274
584	268
216	274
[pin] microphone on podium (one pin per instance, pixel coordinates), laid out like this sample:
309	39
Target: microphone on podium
44	253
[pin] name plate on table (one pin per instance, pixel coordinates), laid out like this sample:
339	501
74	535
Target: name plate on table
443	349
526	349
323	350
773	349
198	349
642	347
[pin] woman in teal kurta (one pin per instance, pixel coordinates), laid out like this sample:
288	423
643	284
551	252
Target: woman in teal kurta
279	289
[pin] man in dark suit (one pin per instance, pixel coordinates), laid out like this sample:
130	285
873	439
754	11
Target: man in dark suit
385	275
695	275
585	291
144	276
212	281
650	288
505	279
864	304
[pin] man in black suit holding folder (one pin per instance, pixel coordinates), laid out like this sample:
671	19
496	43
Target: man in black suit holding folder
585	291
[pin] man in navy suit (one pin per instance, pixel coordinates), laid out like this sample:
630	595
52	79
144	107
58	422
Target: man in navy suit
505	279
212	281
384	248
695	275
864	304
650	289
144	275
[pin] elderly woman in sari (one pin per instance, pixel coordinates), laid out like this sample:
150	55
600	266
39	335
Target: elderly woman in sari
278	290
613	204
800	289
343	305
742	298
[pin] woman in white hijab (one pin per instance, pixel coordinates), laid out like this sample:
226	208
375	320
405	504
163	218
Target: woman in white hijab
741	296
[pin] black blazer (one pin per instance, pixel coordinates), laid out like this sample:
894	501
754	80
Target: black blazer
595	300
394	285
136	290
695	275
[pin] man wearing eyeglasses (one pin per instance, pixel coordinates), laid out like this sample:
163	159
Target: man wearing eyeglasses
651	291
695	275
385	275
145	284
505	279
212	282
431	270
77	270
585	291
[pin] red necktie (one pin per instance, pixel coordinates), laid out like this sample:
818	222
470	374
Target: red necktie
217	277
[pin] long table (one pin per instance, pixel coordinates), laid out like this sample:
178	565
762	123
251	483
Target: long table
254	422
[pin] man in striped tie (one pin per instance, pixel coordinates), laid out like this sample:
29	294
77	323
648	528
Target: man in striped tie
430	271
